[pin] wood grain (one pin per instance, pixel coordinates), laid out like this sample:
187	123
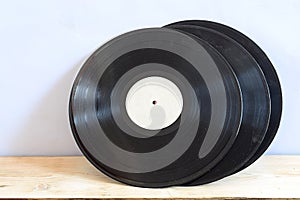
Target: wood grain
75	177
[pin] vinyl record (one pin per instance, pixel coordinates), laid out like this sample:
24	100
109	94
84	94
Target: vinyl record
158	107
216	34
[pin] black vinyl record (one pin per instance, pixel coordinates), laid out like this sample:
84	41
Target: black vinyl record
217	35
229	105
192	145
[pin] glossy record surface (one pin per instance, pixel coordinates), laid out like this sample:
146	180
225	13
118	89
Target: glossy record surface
188	148
254	52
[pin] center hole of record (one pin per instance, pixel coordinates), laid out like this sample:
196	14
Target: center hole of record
154	103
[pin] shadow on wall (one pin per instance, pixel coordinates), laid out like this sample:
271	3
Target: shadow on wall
47	131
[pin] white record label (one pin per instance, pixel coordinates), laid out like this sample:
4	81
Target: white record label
154	103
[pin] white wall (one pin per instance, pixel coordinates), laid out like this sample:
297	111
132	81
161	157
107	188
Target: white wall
43	42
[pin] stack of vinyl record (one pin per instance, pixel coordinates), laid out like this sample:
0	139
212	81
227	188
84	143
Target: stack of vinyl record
186	104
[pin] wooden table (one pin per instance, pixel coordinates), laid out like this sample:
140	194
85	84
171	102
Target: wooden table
75	177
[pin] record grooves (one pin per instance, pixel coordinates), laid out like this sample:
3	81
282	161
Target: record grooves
217	105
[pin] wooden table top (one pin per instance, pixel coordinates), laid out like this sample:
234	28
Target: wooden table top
75	177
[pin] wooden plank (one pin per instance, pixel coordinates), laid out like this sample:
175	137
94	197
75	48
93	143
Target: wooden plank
75	177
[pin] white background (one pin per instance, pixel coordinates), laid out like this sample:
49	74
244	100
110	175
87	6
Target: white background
42	44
